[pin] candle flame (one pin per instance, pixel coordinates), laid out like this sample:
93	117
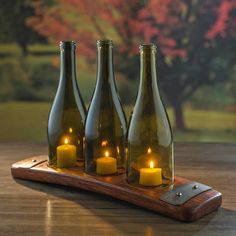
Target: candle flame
66	140
106	154
151	164
104	143
70	130
149	150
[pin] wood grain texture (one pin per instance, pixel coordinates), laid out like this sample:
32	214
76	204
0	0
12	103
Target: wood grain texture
35	168
31	208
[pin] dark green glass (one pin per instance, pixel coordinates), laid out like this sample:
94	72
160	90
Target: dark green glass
149	139
67	115
105	127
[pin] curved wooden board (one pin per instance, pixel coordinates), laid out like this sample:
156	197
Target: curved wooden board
36	169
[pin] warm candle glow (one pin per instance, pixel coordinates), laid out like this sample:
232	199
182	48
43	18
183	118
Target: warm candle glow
150	176
151	164
149	150
106	165
66	140
66	155
104	143
70	130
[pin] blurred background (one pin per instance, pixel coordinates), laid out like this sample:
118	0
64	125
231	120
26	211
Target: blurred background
196	60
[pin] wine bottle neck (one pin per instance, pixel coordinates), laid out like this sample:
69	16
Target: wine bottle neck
148	78
68	64
105	72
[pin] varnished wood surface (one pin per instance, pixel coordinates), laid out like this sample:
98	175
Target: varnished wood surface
36	169
29	208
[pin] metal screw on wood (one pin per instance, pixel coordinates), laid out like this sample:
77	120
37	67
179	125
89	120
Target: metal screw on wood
179	194
195	187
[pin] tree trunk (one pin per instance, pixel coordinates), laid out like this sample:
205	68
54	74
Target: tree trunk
24	48
179	116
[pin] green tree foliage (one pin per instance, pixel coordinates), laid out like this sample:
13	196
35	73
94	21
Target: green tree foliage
13	14
25	82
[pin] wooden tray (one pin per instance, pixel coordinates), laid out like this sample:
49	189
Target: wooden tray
36	169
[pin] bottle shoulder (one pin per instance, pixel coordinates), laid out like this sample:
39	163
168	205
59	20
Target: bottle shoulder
64	113
105	110
149	121
105	100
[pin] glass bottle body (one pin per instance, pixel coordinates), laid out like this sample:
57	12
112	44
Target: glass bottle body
67	114
149	140
105	127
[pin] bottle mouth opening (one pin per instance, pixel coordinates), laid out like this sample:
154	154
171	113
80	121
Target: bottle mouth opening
105	42
148	47
67	44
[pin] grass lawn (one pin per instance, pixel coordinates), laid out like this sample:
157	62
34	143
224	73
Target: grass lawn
26	121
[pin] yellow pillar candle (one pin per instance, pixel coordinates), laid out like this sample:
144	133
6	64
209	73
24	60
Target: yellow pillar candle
106	165
66	155
150	176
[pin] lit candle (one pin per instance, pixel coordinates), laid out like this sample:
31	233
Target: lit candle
106	165
150	176
66	155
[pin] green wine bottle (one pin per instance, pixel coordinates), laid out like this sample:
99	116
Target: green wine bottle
149	139
67	115
105	127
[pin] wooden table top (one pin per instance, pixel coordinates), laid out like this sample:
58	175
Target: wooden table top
30	208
